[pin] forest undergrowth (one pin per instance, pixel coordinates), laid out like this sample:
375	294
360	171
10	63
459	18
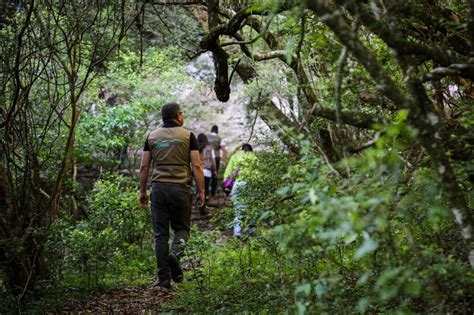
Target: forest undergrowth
369	236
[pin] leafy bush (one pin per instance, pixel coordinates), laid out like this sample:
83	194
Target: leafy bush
107	135
368	235
111	245
118	121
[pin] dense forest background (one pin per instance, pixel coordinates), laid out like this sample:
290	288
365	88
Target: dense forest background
362	112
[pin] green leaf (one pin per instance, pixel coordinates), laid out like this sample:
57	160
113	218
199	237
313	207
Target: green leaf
368	246
304	288
284	190
413	288
312	196
387	293
388	275
320	289
402	115
363	279
363	305
350	238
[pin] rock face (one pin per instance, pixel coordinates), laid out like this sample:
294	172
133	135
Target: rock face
202	109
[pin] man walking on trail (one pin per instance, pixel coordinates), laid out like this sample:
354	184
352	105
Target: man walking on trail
174	152
218	144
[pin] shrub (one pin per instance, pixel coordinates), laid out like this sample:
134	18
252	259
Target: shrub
111	245
374	236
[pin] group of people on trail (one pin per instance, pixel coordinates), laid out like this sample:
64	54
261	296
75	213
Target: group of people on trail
175	156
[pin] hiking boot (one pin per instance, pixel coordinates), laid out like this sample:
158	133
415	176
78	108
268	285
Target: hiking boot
203	211
176	272
165	284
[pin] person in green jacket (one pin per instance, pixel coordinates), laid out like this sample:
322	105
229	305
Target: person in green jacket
244	160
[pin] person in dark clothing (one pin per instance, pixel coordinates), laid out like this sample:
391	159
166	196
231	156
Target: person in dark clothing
219	145
173	152
208	156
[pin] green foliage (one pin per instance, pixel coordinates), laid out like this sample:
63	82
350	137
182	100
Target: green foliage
8	301
109	246
133	100
111	131
151	83
114	204
238	276
370	235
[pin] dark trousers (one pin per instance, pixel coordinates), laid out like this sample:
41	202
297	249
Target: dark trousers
207	184
214	177
170	206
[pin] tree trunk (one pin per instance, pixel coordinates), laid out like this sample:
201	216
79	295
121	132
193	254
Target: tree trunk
431	138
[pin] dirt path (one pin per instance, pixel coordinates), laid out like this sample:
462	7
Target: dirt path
139	299
127	299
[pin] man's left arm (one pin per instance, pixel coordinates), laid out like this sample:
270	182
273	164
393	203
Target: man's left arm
196	165
198	173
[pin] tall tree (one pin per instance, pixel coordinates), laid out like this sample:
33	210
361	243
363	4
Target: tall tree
419	51
55	48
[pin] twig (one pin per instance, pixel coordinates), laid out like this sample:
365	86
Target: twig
179	44
44	193
303	28
441	72
367	144
233	70
326	159
470	24
17	86
310	113
242	42
29	278
256	115
280	54
337	93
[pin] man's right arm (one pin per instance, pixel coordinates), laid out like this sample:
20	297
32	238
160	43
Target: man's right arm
144	166
198	173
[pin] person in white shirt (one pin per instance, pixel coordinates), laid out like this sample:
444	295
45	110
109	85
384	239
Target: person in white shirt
219	145
208	160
